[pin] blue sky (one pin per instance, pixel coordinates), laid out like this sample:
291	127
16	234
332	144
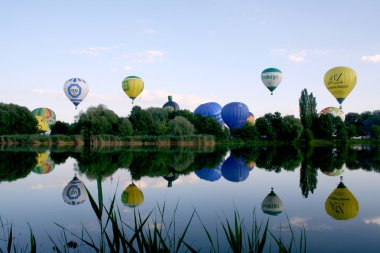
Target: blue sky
197	51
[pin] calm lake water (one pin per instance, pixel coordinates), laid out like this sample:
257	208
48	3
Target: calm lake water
215	183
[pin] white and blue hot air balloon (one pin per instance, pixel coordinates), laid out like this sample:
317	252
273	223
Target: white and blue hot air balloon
76	90
75	192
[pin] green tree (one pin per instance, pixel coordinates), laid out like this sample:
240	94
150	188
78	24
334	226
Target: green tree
264	128
97	120
246	132
125	127
142	121
160	119
180	126
290	129
375	132
324	127
308	109
15	119
60	127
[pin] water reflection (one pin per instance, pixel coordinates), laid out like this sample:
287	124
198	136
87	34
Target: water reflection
272	204
132	196
235	169
74	192
44	163
209	166
341	203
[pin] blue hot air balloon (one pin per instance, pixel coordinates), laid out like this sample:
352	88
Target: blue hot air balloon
235	169
210	109
235	114
208	174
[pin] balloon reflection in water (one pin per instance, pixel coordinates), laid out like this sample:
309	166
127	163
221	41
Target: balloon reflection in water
208	174
75	192
44	163
341	203
171	178
132	196
235	169
272	204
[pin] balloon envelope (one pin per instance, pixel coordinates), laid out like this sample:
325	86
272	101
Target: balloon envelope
132	86
208	174
132	196
210	109
76	90
75	192
171	106
44	163
336	112
342	204
42	125
272	204
235	114
235	169
251	119
47	114
340	81
271	77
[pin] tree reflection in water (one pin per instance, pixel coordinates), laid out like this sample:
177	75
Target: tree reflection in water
172	163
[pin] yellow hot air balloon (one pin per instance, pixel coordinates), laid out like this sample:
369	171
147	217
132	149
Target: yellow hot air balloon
340	81
133	86
132	196
342	204
42	125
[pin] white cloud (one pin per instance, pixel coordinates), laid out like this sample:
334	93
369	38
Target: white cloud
148	56
149	31
298	55
375	220
90	51
371	58
127	67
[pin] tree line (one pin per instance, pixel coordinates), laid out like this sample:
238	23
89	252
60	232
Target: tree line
99	120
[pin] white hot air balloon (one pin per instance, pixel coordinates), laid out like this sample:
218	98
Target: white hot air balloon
74	193
76	90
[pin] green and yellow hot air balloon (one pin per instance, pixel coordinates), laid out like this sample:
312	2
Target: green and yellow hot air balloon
42	125
47	114
133	86
44	163
342	204
132	196
340	81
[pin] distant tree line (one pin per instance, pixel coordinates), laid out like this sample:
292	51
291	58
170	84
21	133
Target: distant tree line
99	120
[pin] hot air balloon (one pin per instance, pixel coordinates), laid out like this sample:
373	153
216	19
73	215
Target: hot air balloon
210	109
76	90
171	106
75	192
208	174
235	114
340	81
132	196
47	114
235	169
251	119
132	86
341	203
171	178
336	112
44	163
272	204
271	77
42	125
